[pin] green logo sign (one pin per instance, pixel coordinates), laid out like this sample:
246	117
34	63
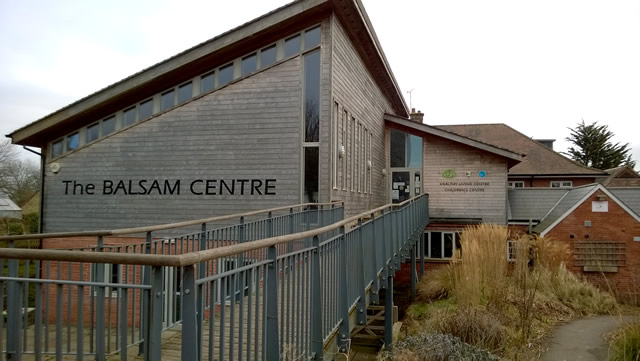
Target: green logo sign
449	173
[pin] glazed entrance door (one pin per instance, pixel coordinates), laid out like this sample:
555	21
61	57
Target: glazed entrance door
405	184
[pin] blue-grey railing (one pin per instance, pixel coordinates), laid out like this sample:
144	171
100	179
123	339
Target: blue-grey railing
291	285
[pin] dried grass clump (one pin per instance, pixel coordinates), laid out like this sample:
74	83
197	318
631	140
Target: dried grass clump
481	276
550	254
625	343
437	285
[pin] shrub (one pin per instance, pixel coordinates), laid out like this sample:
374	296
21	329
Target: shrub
437	285
31	222
625	344
434	347
473	325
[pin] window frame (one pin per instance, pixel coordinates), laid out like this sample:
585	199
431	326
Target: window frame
562	184
455	239
513	184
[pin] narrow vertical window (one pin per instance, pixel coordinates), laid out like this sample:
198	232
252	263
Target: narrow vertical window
249	64
146	109
168	100
398	149
357	156
364	159
225	74
311	170
108	126
414	152
311	38
267	56
185	92
207	82
345	119
336	145
312	96
57	148
92	133
292	46
370	160
353	153
72	141
129	116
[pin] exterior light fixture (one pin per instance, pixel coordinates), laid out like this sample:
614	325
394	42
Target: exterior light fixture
341	151
384	172
55	168
369	164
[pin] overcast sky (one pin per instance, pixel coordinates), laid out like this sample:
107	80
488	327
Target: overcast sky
539	66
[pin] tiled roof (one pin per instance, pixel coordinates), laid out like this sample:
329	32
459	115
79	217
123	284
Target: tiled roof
533	203
539	160
570	199
623	176
629	196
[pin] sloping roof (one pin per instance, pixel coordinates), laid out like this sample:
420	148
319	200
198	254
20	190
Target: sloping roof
572	199
533	203
630	197
8	209
201	56
405	123
539	159
623	176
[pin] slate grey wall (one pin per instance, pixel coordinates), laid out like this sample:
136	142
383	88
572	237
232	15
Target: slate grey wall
247	130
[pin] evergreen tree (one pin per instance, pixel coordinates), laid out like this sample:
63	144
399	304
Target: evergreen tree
593	147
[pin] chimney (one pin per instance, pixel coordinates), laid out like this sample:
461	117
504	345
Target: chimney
416	116
546	142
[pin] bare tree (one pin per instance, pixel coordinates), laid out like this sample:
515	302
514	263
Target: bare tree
19	179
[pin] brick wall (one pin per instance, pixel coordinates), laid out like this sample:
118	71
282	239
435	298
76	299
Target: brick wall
614	225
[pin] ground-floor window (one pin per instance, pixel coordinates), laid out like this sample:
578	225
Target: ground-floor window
516	184
441	244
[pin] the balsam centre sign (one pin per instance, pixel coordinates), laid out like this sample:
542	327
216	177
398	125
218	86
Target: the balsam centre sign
166	187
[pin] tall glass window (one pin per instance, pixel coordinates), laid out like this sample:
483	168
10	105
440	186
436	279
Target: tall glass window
225	75
167	100
108	126
93	132
311	170
312	96
57	148
207	82
73	141
267	56
406	150
414	151
129	116
146	109
249	64
292	46
311	38
185	92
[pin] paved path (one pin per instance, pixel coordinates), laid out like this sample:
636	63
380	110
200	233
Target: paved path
582	340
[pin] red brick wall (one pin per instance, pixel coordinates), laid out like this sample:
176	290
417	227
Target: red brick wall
614	225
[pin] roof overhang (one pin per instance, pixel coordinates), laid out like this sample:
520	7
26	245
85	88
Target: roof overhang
420	128
225	47
565	175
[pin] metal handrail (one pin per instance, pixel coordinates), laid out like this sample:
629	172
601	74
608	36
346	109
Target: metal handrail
186	259
160	227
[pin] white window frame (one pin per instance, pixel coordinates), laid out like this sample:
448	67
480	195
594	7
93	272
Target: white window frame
108	267
561	184
512	250
427	252
516	184
336	146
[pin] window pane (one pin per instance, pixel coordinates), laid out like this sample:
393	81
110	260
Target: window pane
398	147
312	96
108	126
267	56
249	64
415	151
292	46
436	245
56	149
72	141
311	160
146	109
129	116
184	93
311	38
167	100
207	83
225	75
93	132
448	245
